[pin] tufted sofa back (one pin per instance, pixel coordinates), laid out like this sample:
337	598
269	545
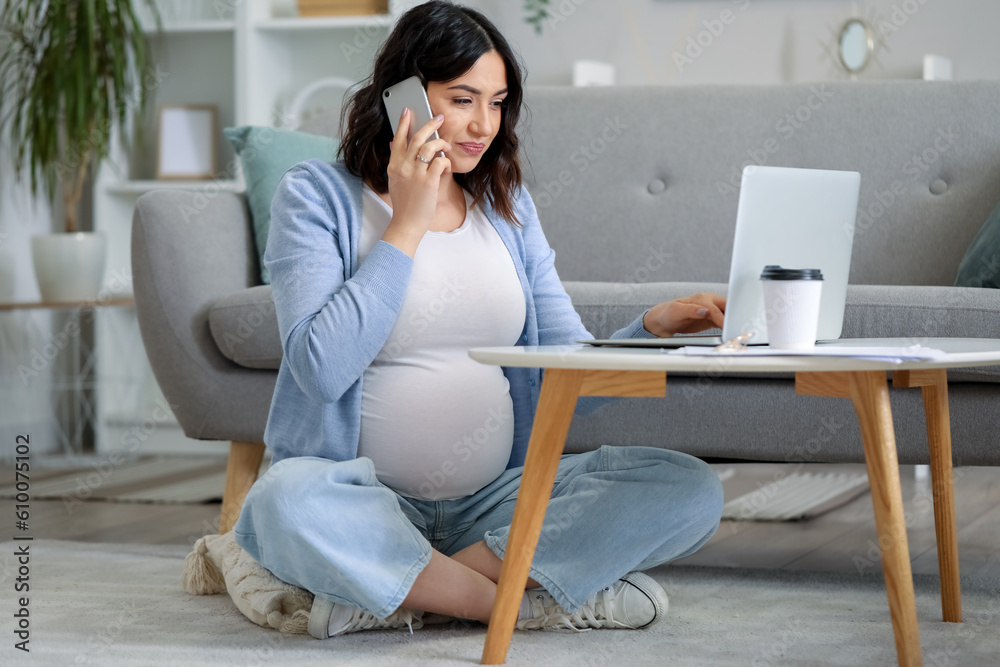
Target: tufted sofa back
638	184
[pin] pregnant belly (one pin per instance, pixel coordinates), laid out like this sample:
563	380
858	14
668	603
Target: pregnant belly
438	430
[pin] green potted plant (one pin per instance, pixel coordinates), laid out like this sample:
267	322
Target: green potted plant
71	73
537	11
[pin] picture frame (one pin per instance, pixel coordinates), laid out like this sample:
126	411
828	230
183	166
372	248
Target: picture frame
185	146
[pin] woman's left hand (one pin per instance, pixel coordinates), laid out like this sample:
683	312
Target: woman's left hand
689	314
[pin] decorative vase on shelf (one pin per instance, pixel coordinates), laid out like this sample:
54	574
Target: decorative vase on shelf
69	267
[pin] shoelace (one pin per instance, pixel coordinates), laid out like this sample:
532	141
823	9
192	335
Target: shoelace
594	613
362	620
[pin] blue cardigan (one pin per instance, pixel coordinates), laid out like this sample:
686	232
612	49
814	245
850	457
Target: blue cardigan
334	316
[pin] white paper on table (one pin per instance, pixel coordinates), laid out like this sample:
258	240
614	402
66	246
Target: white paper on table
894	354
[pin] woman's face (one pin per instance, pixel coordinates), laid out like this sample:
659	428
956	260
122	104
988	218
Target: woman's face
471	108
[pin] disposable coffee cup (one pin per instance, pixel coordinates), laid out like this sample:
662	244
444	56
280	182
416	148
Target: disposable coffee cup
791	306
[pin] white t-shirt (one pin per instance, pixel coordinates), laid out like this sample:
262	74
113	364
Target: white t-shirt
436	424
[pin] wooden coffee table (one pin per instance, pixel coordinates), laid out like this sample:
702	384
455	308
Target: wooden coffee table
581	370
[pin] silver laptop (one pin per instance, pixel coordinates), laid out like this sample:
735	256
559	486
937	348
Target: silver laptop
798	219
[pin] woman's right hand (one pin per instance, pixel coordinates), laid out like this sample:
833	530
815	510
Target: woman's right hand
414	184
690	314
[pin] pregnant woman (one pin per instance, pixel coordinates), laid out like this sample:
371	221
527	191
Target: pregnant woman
396	458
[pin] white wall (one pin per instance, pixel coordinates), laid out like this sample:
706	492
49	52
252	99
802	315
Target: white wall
764	41
25	400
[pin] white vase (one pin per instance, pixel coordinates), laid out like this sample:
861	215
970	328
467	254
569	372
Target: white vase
69	267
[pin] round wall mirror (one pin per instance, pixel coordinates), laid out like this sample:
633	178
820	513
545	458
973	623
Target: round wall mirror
855	45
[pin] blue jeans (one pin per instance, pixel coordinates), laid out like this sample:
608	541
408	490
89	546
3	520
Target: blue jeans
333	529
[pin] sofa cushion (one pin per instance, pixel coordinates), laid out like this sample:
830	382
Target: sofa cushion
266	153
980	267
245	328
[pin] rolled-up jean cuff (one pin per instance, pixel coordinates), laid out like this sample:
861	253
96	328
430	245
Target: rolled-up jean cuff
499	545
404	587
426	550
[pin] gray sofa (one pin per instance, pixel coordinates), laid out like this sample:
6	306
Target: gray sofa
637	191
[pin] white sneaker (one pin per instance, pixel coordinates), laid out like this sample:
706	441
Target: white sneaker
329	619
634	601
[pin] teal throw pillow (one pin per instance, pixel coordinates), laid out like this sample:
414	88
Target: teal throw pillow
981	265
266	153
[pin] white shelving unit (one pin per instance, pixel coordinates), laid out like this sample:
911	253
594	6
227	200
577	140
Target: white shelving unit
248	63
206	25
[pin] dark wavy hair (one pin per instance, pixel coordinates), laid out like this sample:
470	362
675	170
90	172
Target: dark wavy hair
436	41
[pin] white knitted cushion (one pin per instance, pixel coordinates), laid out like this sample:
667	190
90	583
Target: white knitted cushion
217	563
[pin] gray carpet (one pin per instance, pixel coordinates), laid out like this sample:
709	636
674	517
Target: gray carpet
101	604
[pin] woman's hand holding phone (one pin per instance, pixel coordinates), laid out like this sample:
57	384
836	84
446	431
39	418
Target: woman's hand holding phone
413	183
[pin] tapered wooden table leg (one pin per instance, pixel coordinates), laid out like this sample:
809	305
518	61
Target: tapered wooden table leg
556	402
870	395
939	437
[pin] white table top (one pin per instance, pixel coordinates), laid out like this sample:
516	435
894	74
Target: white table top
962	352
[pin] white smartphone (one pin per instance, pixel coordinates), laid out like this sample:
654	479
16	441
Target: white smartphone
409	93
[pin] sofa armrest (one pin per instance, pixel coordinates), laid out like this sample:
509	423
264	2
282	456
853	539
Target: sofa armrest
189	250
245	328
